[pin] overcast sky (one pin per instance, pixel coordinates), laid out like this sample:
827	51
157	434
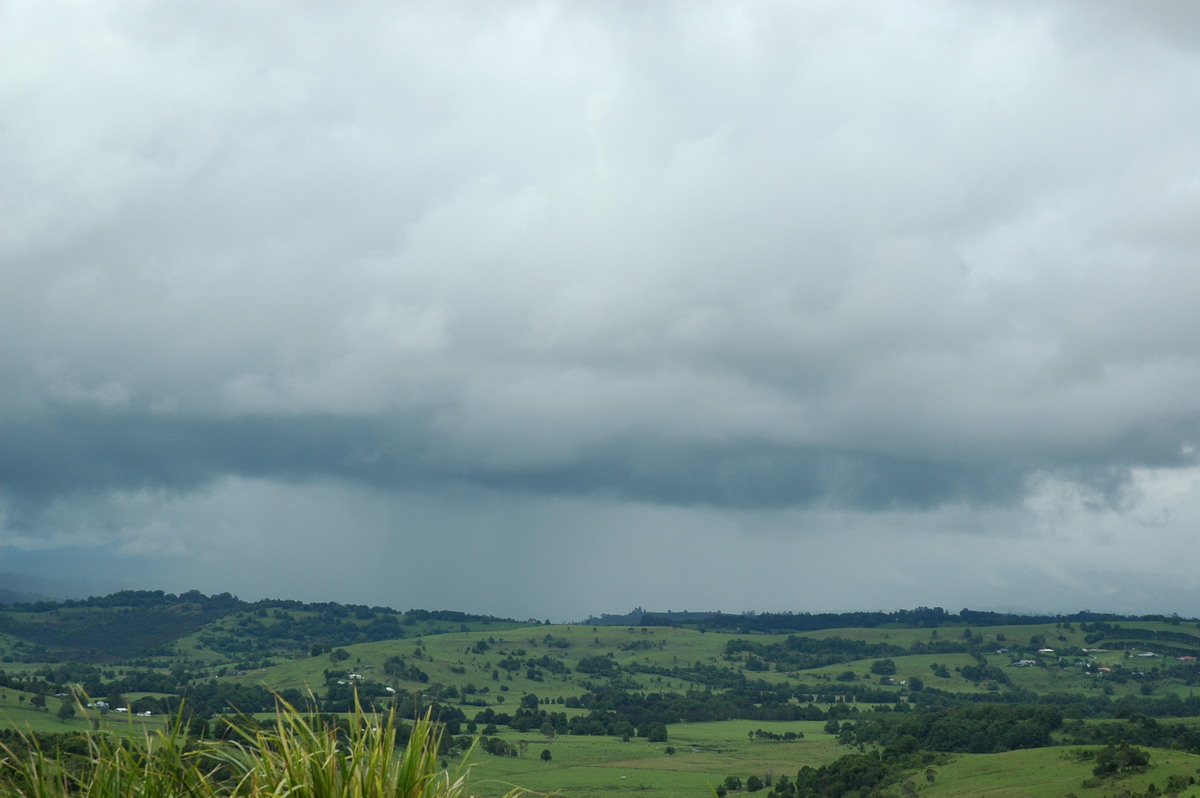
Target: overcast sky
545	309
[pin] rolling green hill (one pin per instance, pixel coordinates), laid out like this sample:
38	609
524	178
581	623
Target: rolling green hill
666	708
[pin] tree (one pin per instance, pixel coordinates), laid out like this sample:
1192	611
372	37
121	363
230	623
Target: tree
733	783
546	755
66	710
38	701
669	750
1119	759
883	667
753	784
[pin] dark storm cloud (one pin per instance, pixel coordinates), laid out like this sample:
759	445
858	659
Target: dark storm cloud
887	268
70	454
767	477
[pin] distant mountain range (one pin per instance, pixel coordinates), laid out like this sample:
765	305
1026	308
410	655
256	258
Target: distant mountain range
18	588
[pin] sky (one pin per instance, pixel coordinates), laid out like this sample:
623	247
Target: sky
548	309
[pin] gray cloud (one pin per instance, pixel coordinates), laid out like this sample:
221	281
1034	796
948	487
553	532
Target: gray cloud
709	257
90	454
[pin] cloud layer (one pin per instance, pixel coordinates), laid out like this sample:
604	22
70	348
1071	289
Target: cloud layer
840	272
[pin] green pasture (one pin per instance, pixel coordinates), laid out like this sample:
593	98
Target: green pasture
906	667
193	648
1017	638
451	659
895	636
1053	676
1067	678
705	753
189	647
725	742
1048	773
26	718
21	715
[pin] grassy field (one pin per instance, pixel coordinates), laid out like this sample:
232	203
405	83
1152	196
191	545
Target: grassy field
708	752
705	753
451	659
440	655
1048	773
21	715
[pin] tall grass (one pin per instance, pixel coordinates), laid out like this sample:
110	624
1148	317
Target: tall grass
295	755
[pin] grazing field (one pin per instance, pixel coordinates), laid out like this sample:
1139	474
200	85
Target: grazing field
17	714
705	753
1051	773
708	752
